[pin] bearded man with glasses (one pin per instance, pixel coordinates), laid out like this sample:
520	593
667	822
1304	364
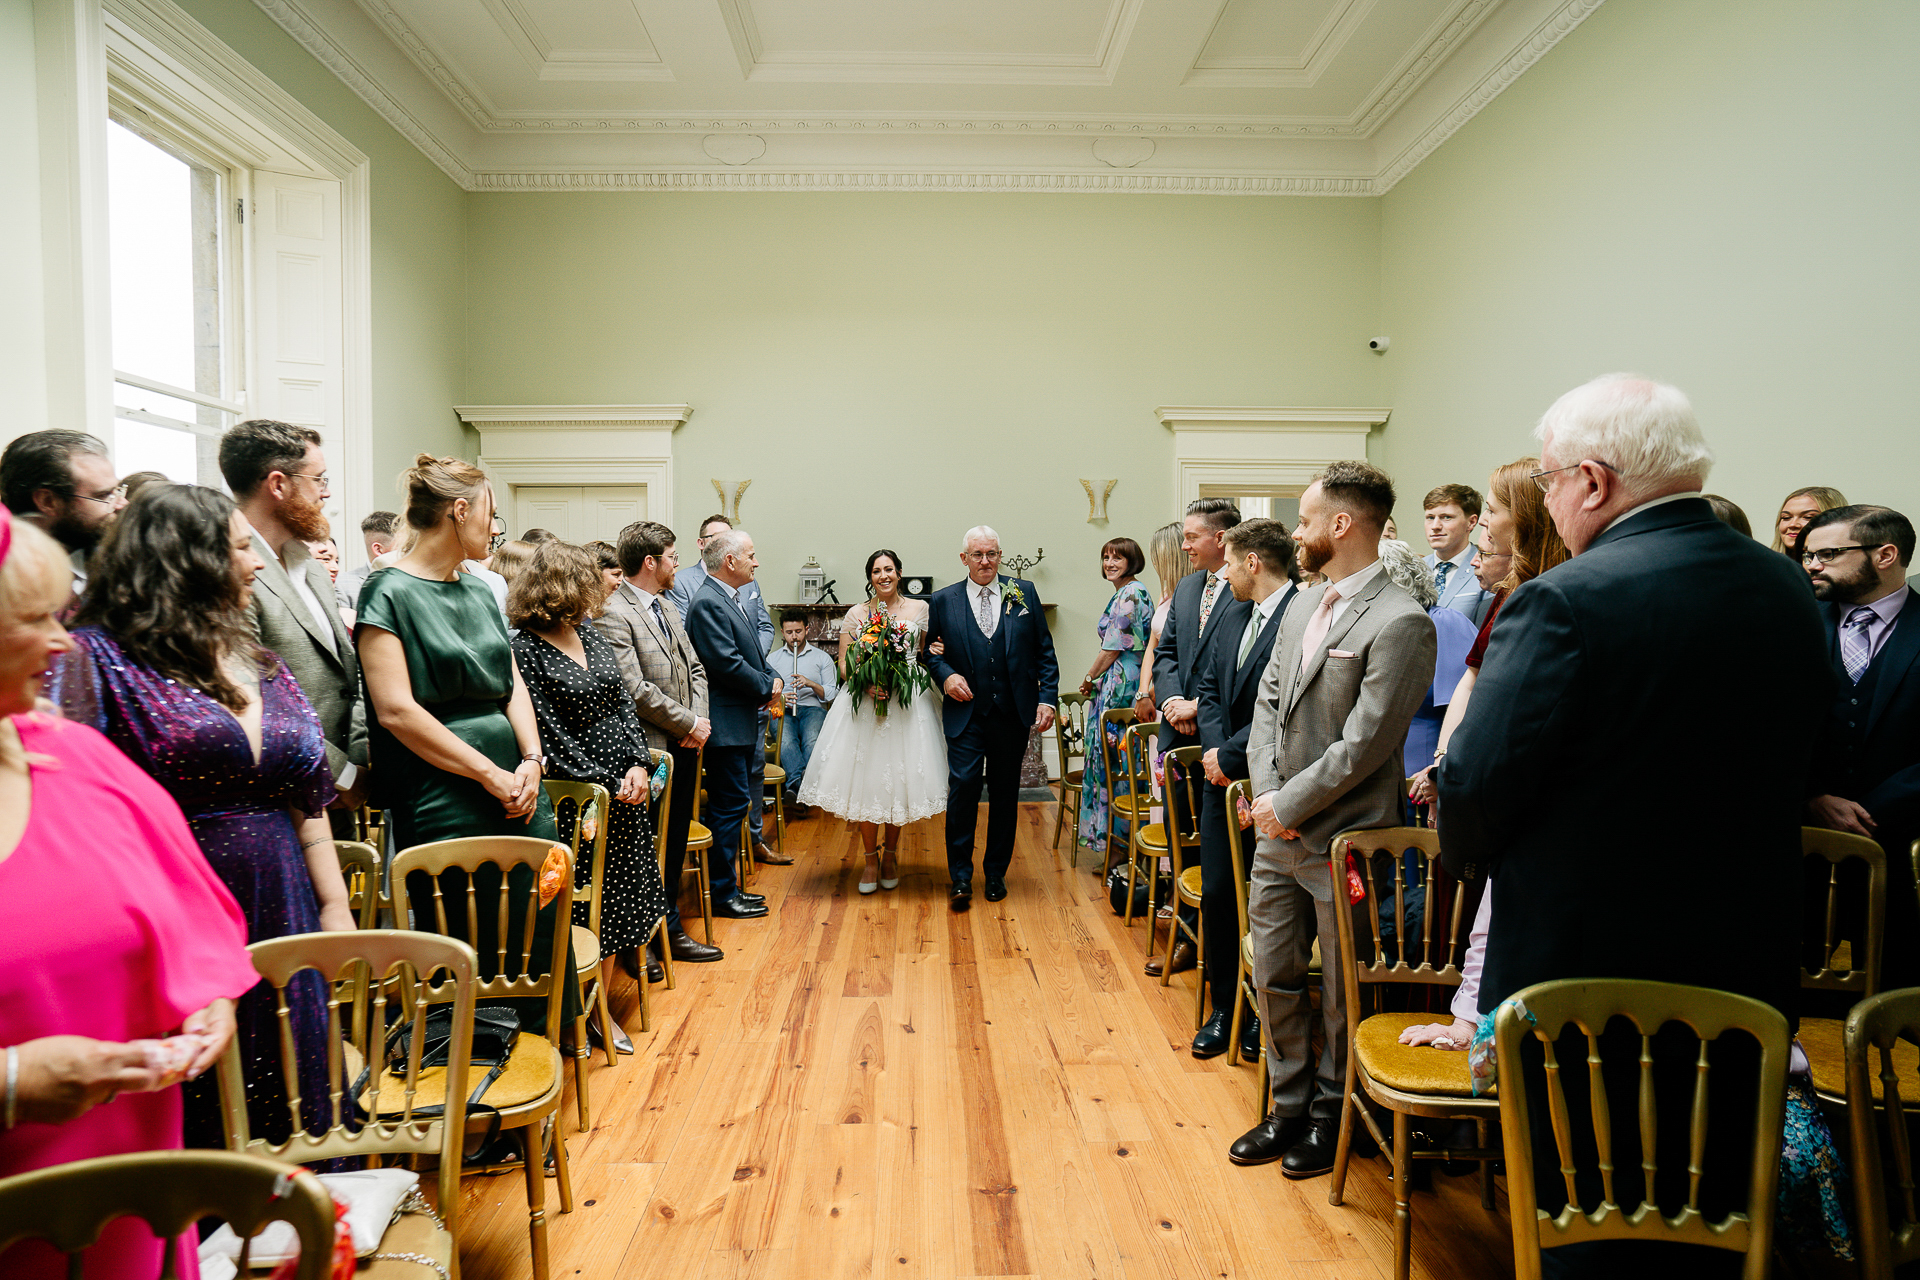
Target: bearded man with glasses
63	482
1866	769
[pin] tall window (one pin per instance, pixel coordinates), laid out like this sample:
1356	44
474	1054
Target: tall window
174	385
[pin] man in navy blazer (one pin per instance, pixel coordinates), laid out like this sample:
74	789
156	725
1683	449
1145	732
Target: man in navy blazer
1183	636
1866	769
1001	683
1452	513
1261	571
739	685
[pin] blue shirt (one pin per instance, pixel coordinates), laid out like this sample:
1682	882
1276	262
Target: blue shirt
810	662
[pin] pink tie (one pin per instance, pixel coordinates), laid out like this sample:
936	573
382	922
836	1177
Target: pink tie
1317	629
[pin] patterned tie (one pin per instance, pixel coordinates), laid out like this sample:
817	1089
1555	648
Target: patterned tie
986	612
1317	629
1206	601
1441	572
1247	638
660	616
1856	645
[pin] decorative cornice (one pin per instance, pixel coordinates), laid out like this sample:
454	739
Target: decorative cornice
1247	418
1547	34
1419	64
294	21
962	126
575	417
1060	183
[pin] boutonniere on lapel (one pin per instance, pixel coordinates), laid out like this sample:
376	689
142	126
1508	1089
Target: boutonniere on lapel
1015	599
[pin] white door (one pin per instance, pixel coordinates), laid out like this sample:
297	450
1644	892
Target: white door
577	513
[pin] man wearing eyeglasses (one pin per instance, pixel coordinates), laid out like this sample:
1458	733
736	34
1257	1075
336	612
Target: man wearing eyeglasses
1867	766
1632	768
278	475
63	482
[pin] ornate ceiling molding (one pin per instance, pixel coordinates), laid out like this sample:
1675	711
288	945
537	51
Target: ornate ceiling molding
1473	52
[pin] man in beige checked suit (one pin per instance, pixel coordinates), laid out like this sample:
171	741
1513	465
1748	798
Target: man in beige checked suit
1350	667
669	690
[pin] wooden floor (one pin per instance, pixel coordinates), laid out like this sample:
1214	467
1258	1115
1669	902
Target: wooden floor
874	1086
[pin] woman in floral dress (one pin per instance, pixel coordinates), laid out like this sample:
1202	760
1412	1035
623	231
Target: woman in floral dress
1114	678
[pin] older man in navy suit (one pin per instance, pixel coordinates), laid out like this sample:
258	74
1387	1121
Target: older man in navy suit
1001	682
740	685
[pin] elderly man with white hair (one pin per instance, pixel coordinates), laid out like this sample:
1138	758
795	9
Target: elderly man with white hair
1631	771
996	668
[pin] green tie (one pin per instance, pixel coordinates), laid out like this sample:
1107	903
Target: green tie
1247	638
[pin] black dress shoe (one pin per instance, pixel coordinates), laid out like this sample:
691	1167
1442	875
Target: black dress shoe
960	898
739	908
1183	959
685	948
760	898
996	889
1250	1038
1269	1140
1313	1154
655	971
629	961
1211	1040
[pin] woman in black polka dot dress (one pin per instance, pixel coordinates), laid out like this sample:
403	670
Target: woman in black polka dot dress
590	734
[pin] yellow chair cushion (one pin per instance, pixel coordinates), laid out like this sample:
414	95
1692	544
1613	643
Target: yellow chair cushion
414	1233
1823	1039
698	837
586	951
1154	837
531	1074
1190	885
775	774
1410	1068
1132	805
1073	778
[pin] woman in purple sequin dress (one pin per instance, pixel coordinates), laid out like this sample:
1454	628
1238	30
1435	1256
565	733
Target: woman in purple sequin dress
166	666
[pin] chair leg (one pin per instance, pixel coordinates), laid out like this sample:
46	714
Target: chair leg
582	1059
1133	869
1173	931
1486	1166
562	1171
1402	1209
1263	1102
1233	1036
1199	971
705	878
534	1158
666	952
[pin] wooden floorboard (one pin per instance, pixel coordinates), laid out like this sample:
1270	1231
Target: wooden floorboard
876	1087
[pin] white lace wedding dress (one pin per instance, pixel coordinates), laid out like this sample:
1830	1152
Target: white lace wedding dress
868	768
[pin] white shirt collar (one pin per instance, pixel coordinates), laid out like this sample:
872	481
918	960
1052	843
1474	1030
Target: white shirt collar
1264	610
1887	606
1354	583
645	596
976	590
1630	512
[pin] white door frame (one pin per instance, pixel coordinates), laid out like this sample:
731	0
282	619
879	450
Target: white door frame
594	445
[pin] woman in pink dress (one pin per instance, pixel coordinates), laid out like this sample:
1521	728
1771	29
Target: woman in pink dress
114	932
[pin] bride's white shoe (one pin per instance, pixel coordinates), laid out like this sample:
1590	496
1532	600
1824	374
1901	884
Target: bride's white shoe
891	859
873	869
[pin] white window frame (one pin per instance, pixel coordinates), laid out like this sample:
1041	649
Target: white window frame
169	73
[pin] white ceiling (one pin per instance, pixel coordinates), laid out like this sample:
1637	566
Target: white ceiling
1337	97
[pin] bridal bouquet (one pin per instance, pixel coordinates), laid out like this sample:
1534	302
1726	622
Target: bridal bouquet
882	657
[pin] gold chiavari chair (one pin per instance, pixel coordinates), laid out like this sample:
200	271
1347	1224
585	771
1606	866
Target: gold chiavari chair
1070	745
1823	1038
67	1205
420	1111
360	868
1237	846
1180	831
660	809
1408	1080
1588	1005
774	790
1121	805
528	1091
699	847
1880	1036
592	807
1146	840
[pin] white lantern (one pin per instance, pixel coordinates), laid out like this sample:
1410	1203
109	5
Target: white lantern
811	576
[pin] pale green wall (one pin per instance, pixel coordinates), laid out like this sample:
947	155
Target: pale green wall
419	252
1722	195
23	357
889	370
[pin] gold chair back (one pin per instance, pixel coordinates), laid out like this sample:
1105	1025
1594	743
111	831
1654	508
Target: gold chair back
360	868
413	971
1183	830
1888	1224
589	800
68	1204
1113	759
1588	1004
1432	957
1237	844
1070	730
1862	975
513	964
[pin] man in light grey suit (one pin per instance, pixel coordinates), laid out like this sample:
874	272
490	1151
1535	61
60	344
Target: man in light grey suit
1350	667
278	475
1452	513
668	685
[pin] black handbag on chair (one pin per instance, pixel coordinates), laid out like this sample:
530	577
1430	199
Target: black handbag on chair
496	1030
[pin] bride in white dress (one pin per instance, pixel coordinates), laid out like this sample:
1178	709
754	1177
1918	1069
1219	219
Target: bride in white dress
880	772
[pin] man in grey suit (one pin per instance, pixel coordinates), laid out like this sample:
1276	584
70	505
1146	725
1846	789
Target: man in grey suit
1351	665
278	475
1452	513
668	685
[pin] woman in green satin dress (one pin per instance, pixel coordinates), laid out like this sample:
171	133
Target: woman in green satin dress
455	750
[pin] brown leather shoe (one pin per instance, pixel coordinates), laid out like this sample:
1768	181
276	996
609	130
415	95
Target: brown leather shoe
1184	957
685	948
768	858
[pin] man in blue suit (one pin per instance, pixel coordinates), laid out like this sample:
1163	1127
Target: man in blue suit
1001	682
740	685
1452	514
